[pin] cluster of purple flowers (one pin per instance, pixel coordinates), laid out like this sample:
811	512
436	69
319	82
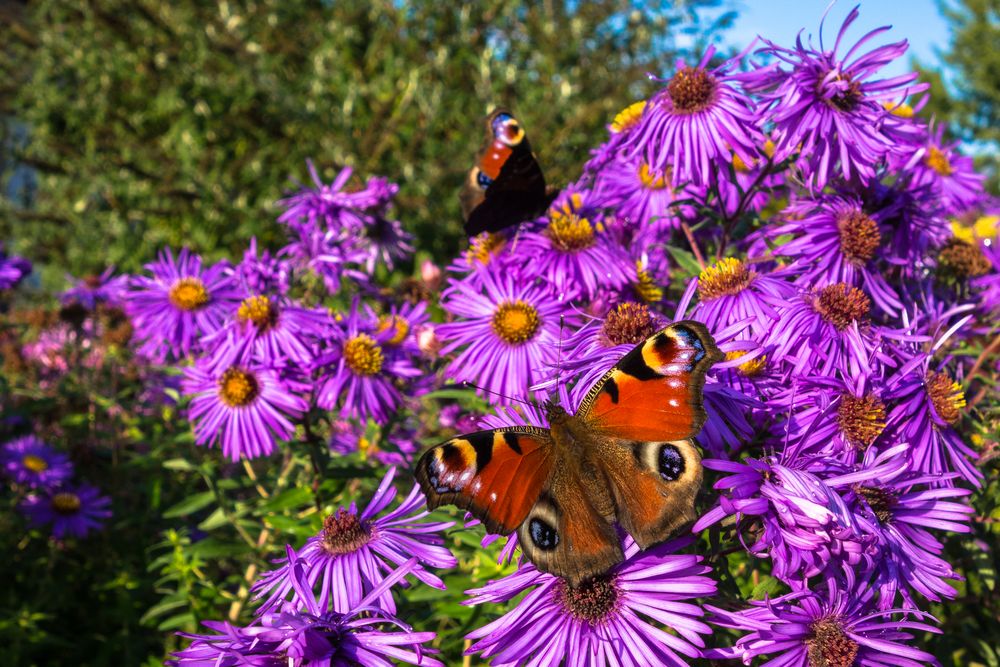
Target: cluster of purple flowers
43	477
264	347
832	423
354	562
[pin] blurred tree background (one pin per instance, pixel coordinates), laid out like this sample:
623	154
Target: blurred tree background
148	124
966	96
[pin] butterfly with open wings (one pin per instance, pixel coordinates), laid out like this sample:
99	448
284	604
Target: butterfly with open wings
625	457
506	186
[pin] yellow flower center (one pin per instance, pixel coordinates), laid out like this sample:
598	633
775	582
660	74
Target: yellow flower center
739	165
651	180
66	503
363	355
946	396
937	160
628	117
258	309
34	463
399	326
750	368
568	231
515	322
237	387
188	294
729	276
645	287
484	247
900	109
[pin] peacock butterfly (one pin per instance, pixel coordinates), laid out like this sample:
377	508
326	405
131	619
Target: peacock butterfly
626	456
506	186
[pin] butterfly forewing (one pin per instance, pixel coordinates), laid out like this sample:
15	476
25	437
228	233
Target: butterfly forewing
654	393
497	475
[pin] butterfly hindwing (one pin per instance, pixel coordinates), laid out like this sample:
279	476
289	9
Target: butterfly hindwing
506	186
565	535
654	394
497	475
653	484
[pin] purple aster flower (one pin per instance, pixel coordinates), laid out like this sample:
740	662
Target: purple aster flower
892	505
951	175
360	369
927	403
30	462
575	251
836	627
824	330
486	252
264	274
180	303
242	407
695	124
837	242
355	552
914	222
72	510
326	207
731	291
613	619
637	194
834	417
313	636
402	323
383	239
506	334
329	255
91	291
799	522
825	109
268	330
12	269
600	343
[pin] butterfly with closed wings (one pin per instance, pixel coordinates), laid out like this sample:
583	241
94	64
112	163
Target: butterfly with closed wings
626	456
506	186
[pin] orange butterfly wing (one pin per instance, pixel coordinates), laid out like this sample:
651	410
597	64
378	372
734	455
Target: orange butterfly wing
497	474
655	392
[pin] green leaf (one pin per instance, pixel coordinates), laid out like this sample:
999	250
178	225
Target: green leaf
685	260
767	587
190	505
289	499
178	464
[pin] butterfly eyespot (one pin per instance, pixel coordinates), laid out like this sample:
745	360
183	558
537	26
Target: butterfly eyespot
671	463
543	535
482	180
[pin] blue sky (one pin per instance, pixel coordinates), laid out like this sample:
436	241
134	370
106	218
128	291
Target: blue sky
919	21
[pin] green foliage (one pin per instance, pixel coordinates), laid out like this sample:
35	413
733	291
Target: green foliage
154	124
967	95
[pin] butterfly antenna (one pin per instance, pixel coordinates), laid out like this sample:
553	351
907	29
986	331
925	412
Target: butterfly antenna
497	393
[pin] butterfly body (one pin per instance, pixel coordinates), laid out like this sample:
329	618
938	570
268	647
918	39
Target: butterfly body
625	459
506	185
